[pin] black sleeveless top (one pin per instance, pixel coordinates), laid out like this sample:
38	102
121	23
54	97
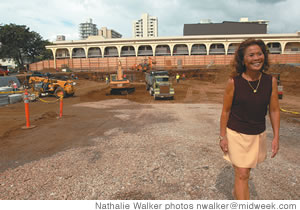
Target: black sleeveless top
249	109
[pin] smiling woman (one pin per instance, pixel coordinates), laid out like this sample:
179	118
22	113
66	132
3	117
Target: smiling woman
247	97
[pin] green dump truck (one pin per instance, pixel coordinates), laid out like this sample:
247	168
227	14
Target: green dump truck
158	84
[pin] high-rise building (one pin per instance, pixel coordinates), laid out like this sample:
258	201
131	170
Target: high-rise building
87	29
109	33
147	26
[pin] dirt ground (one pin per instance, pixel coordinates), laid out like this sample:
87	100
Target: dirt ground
134	147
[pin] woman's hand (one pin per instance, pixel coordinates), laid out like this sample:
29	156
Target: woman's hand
275	147
224	145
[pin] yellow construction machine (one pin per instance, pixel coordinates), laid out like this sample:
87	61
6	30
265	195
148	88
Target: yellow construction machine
118	84
146	65
46	85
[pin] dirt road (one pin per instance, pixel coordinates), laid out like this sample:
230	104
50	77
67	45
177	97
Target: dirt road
133	147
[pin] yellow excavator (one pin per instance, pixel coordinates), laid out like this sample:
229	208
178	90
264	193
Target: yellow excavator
118	84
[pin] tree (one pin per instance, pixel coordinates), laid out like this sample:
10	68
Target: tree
22	45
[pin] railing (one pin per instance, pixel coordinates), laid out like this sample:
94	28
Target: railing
274	50
145	53
217	51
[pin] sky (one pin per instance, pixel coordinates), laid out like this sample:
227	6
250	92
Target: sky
62	17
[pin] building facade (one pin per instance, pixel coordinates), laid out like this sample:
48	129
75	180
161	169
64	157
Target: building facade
245	19
109	33
87	29
225	28
189	46
147	26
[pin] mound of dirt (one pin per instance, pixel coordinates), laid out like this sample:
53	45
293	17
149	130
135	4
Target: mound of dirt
289	77
48	115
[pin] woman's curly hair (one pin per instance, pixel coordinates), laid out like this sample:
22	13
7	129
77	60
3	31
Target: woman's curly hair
240	53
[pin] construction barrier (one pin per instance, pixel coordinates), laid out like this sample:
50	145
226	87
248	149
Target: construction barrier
45	101
26	103
54	101
291	112
10	97
61	107
12	92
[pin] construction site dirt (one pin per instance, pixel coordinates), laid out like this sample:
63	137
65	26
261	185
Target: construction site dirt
134	147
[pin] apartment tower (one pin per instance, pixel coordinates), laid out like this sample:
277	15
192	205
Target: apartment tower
147	26
87	29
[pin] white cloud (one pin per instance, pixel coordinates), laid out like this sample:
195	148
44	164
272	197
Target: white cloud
62	17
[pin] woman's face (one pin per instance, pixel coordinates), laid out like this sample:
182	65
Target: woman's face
254	58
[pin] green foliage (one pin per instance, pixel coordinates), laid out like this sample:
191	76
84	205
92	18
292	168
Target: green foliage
21	44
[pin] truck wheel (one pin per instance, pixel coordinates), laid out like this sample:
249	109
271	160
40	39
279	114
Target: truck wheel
26	84
151	93
59	92
38	93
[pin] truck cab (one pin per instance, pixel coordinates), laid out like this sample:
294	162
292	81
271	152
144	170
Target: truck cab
159	85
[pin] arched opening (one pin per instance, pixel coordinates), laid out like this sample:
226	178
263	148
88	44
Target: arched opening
78	53
180	49
217	49
111	52
62	53
292	48
127	51
94	52
274	47
198	49
232	48
145	50
162	50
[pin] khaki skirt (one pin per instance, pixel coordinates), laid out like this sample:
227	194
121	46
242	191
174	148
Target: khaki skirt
246	151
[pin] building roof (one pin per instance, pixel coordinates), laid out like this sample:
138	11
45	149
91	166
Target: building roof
224	28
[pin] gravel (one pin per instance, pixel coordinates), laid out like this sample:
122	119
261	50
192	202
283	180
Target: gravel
163	151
